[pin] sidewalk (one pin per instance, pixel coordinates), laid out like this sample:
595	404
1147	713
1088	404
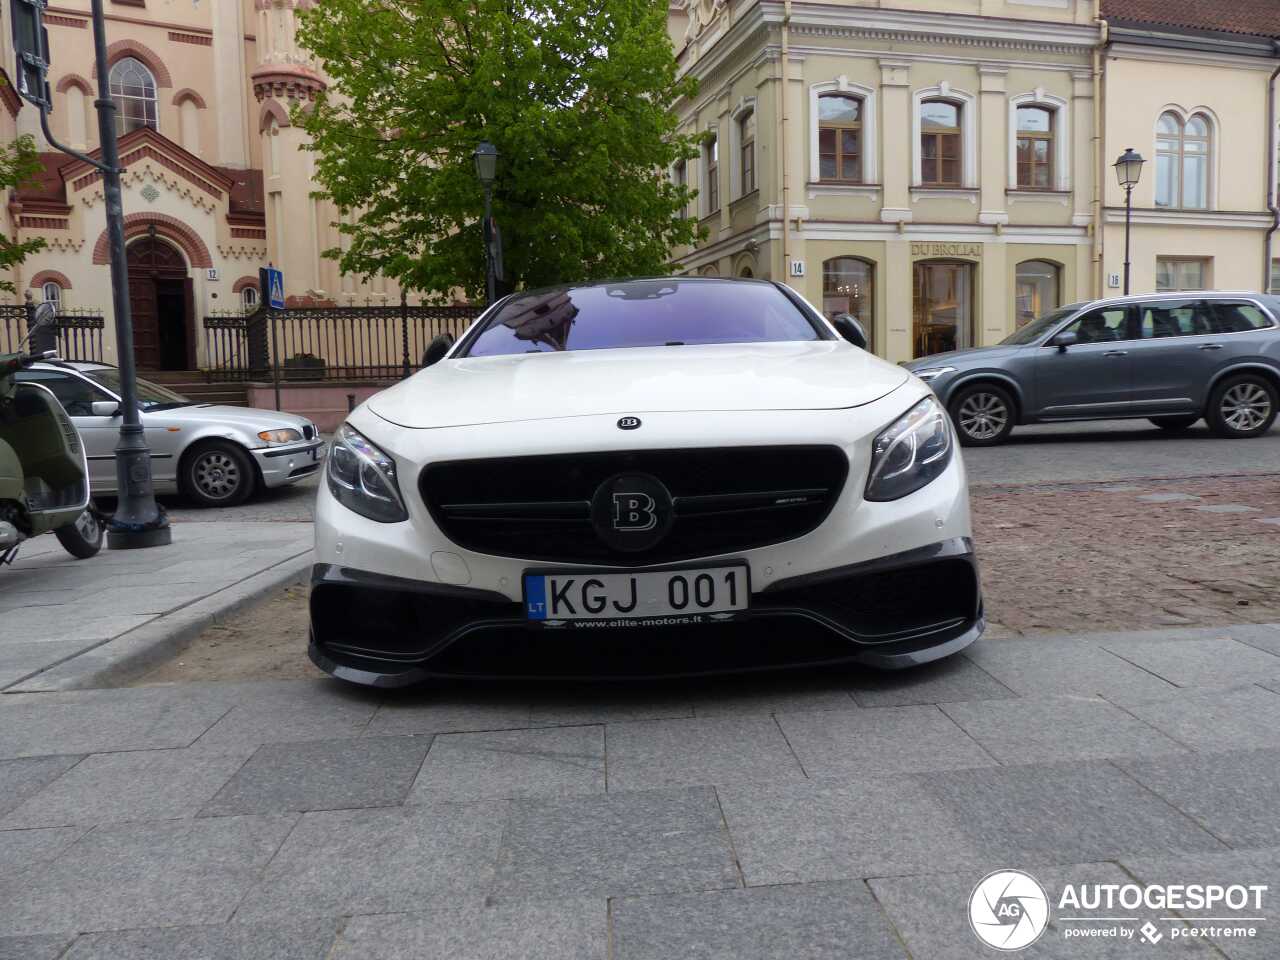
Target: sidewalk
54	608
824	815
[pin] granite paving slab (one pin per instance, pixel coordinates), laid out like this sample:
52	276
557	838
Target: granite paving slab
506	764
24	777
951	680
1191	663
881	741
1059	667
529	930
381	860
127	787
816	921
653	841
1213	719
321	775
287	940
121	876
651	754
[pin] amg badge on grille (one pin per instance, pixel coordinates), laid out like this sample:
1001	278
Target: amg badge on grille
629	423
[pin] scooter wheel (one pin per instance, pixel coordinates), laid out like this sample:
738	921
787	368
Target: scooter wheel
83	538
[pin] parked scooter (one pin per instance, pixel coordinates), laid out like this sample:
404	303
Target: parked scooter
44	477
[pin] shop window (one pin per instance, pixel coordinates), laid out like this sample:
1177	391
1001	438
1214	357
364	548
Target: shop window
1035	290
1035	132
848	286
839	138
942	307
1181	273
940	144
1182	161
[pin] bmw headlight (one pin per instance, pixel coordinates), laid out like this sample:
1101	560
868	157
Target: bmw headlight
288	435
363	478
932	373
911	452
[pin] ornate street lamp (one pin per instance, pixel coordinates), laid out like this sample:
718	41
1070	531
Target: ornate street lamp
1128	172
486	159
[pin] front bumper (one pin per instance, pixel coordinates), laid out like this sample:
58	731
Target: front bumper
289	464
891	612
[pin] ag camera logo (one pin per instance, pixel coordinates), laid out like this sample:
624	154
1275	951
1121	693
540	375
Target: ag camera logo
1008	910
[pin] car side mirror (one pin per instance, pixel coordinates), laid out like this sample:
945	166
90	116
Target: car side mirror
105	408
436	349
1066	339
851	330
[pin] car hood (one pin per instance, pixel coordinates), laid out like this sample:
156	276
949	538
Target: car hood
216	413
825	374
970	357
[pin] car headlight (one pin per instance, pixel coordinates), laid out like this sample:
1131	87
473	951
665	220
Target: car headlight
363	478
280	436
932	373
910	452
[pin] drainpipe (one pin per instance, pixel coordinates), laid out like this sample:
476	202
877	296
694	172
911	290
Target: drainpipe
784	95
1269	169
1099	174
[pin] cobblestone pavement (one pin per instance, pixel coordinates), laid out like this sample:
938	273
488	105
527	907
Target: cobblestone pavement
1093	557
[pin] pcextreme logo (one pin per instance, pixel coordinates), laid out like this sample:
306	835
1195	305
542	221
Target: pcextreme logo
1009	910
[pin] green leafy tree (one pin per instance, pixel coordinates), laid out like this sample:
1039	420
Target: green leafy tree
19	164
576	96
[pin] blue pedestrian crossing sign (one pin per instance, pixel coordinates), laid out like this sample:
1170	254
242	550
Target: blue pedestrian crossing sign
275	288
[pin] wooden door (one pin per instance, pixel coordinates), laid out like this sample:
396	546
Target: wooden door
146	321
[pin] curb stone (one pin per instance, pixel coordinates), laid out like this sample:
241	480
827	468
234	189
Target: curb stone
132	654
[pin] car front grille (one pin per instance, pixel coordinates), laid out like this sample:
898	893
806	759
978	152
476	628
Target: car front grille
724	500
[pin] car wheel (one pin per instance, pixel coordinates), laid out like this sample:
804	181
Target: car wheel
83	538
218	474
1175	423
983	415
1243	406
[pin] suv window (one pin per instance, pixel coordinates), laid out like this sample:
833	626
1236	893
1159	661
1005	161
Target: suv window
1234	316
1100	326
1175	318
75	395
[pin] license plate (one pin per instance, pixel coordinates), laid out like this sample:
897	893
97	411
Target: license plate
642	598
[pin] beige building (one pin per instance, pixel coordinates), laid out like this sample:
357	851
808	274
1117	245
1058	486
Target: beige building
939	169
215	184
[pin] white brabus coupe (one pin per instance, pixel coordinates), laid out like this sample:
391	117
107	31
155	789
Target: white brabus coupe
644	477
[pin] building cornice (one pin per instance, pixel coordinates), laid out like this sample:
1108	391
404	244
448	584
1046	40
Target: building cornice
1232	219
1199	56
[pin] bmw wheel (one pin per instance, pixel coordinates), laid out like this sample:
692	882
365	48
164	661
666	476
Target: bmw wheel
217	474
1243	406
983	415
83	538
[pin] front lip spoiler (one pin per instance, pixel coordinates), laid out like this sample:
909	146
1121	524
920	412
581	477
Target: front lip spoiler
890	653
869	657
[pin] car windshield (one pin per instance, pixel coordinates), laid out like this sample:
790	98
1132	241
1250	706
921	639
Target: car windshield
1036	329
642	313
151	396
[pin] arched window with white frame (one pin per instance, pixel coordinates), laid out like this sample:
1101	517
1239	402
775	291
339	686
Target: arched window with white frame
249	299
1183	152
133	89
1039	142
51	292
944	136
842	134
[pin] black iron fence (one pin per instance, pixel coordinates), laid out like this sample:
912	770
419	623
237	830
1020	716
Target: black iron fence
79	332
327	343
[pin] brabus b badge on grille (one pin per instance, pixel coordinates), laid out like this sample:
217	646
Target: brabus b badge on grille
629	423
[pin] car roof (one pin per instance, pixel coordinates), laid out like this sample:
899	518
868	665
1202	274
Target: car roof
1176	295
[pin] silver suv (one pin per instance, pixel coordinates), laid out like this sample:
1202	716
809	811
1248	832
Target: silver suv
1171	358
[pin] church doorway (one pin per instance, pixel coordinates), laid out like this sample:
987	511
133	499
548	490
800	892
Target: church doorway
162	301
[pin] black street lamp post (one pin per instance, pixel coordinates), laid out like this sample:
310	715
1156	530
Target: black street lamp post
138	520
486	159
1128	172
